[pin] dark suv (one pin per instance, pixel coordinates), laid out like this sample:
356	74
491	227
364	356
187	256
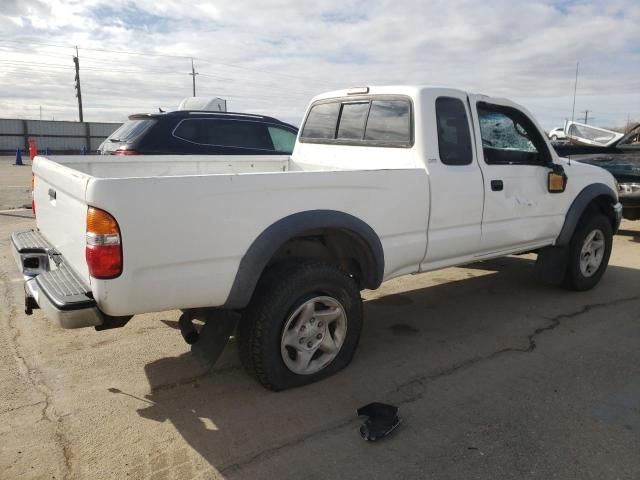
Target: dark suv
195	132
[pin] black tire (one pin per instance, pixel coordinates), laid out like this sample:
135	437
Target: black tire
574	277
280	291
554	138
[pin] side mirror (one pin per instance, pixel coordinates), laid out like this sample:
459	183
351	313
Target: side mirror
556	179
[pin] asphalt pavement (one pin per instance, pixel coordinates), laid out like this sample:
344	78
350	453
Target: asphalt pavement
496	377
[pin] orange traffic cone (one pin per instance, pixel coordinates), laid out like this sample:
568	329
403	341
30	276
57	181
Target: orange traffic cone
33	149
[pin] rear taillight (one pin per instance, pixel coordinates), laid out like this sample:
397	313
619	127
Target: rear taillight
104	249
124	151
33	194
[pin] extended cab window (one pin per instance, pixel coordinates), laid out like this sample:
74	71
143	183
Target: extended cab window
321	121
389	122
225	133
454	139
352	120
370	121
509	137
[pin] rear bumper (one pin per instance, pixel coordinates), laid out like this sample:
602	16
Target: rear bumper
51	285
72	318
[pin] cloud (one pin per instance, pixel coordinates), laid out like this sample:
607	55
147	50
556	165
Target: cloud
272	57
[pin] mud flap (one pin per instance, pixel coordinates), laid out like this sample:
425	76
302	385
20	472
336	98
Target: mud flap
208	342
551	265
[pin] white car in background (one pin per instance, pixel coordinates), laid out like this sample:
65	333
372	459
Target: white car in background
557	134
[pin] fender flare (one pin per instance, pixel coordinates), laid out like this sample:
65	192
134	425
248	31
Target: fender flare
273	237
578	207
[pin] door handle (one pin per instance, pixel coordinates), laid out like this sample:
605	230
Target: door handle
497	185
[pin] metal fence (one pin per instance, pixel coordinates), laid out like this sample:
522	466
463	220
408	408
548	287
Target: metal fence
53	136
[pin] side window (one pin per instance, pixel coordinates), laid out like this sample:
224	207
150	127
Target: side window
225	133
237	134
321	121
509	137
352	121
188	130
389	122
283	140
454	139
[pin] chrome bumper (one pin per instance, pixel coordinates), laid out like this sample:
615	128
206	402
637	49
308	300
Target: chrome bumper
78	318
57	291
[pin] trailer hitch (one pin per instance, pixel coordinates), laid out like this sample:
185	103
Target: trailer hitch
208	340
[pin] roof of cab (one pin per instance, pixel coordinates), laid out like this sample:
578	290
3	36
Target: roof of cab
409	90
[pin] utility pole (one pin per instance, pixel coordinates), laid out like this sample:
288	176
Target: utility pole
41	113
575	87
76	61
193	74
586	117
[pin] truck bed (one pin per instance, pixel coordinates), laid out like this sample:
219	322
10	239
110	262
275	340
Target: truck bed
116	166
184	217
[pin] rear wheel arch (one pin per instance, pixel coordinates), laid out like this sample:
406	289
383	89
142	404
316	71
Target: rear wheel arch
330	235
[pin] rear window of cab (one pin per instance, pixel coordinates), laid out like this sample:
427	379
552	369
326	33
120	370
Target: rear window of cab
377	121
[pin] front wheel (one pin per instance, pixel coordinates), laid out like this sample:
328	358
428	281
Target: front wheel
554	138
302	324
589	252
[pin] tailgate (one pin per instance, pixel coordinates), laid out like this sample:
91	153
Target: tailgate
61	210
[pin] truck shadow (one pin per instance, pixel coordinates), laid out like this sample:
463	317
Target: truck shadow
231	421
630	233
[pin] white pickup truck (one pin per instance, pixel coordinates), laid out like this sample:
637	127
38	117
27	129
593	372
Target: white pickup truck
383	182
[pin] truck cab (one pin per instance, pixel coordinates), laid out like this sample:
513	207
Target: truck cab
382	182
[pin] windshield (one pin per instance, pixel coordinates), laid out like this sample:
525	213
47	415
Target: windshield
131	130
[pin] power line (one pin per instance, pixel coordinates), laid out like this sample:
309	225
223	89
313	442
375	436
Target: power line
96	49
18	63
36	67
232	65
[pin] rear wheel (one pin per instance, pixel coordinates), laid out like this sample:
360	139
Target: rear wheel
589	252
303	324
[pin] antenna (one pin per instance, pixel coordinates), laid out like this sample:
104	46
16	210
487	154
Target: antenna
575	87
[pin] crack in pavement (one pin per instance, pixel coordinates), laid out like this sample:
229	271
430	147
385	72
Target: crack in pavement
296	440
421	382
532	345
20	407
48	411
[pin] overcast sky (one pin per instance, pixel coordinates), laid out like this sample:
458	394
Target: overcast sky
272	56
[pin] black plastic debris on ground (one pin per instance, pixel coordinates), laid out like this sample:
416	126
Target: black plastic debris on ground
383	419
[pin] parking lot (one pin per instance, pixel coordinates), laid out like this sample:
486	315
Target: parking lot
496	376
